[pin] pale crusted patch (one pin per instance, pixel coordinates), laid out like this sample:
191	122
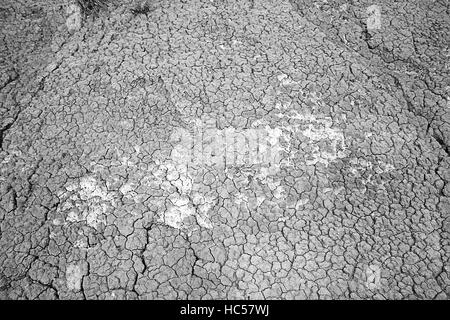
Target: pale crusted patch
73	21
181	205
74	276
332	138
323	142
175	215
86	201
207	146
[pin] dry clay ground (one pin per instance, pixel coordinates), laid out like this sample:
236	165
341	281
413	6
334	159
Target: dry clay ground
98	200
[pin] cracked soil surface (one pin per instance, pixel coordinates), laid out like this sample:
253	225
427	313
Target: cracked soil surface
99	200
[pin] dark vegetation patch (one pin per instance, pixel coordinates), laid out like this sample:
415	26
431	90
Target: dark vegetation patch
92	7
142	9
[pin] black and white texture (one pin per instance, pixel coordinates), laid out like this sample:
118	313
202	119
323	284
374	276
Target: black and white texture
205	149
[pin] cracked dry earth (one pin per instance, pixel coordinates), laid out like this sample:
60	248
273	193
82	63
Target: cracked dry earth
99	201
